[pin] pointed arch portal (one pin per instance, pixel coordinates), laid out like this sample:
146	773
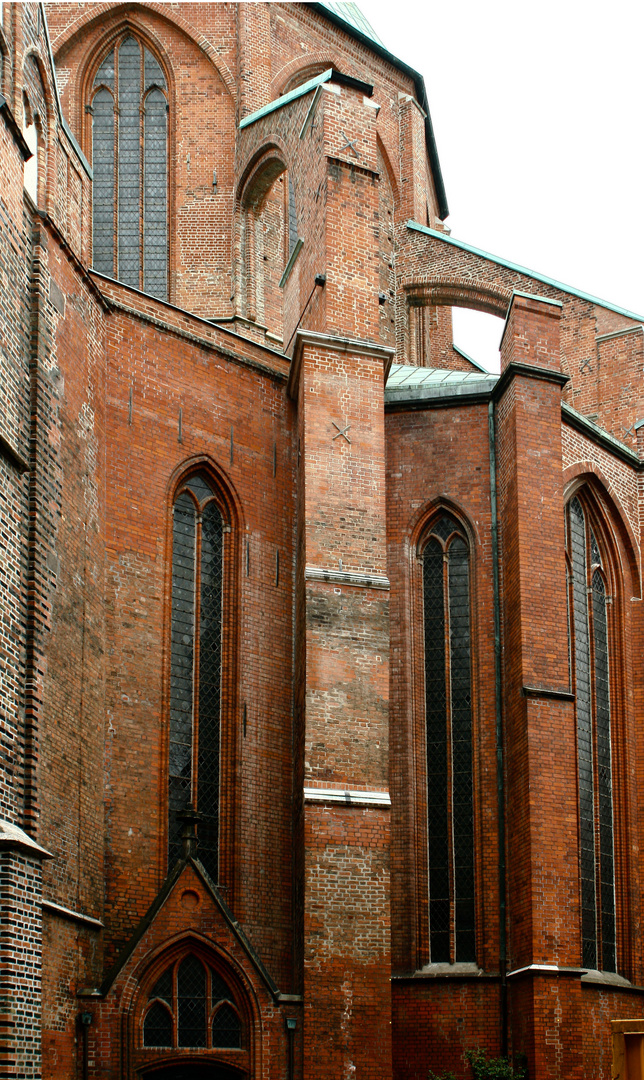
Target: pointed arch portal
194	1072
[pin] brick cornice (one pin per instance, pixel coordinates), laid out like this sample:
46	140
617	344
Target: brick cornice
527	371
16	839
337	344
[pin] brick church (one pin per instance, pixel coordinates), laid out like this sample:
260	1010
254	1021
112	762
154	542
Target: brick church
321	676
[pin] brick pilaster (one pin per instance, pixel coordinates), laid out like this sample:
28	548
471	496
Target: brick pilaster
344	601
543	887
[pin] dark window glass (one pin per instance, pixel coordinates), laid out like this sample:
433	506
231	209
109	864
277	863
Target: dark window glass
219	988
191	1002
448	717
129	171
210	686
181	665
163	987
195	710
226	1029
589	644
157	1027
191	993
130	201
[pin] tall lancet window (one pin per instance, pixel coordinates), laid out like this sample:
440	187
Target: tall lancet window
591	674
448	718
195	667
130	161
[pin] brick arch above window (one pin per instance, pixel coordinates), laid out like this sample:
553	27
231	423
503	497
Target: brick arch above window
97	14
610	509
420	525
457	292
193	1005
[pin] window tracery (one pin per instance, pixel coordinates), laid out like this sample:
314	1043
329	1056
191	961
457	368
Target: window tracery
129	104
195	667
448	720
590	662
191	1006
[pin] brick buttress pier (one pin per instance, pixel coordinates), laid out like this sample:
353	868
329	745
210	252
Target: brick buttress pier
343	597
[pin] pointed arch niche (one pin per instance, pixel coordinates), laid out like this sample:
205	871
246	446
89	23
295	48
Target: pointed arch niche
201	668
268	241
193	1011
128	101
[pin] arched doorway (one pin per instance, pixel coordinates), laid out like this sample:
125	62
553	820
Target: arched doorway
193	1072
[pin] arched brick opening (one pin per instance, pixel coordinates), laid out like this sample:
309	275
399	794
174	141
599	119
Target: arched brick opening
427	325
223	985
266	203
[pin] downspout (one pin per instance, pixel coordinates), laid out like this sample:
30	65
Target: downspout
500	786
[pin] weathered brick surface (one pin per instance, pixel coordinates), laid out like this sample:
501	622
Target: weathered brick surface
109	397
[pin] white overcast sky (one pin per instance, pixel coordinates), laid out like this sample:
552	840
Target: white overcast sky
538	112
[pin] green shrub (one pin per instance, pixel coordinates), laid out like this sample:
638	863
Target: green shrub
484	1068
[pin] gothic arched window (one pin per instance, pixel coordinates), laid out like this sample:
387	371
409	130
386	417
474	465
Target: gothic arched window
191	1005
448	718
588	599
195	667
129	108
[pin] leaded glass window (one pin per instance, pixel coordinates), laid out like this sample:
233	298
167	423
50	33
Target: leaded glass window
191	1005
195	667
589	649
448	719
129	109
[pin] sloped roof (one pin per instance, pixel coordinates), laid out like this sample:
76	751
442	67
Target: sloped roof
407	384
352	14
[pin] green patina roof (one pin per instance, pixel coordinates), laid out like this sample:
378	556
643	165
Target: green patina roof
285	99
407	375
352	15
407	383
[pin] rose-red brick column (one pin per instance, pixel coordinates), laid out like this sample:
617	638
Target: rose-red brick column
543	887
344	612
413	196
254	56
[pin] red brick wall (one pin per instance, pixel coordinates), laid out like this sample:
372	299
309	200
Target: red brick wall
95	379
